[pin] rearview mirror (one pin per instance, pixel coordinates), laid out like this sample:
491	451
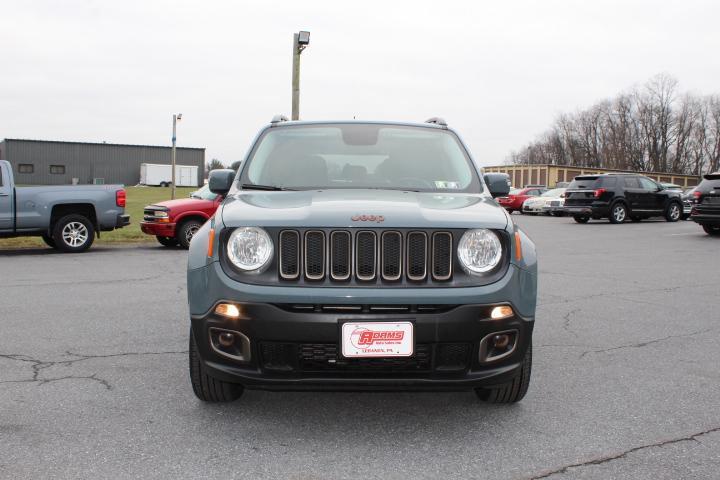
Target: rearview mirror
220	181
498	184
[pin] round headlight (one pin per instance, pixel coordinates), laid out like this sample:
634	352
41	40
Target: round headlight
479	250
250	249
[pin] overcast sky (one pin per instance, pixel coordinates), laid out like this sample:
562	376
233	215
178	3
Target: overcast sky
499	72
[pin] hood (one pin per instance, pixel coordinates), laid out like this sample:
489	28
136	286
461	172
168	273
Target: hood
346	208
184	204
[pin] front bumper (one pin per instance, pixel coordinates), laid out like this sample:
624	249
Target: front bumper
533	208
299	350
158	229
292	348
554	209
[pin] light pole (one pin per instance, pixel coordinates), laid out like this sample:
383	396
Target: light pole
300	41
176	118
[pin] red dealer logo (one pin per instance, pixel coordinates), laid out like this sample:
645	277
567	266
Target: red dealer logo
363	337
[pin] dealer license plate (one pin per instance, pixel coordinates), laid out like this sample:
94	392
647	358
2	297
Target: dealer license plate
377	339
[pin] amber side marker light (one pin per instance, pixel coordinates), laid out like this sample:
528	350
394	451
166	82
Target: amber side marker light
228	310
211	242
503	311
518	247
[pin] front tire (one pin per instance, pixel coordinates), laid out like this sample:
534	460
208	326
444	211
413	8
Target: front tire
187	231
205	387
73	233
581	219
712	230
512	391
167	241
673	212
618	213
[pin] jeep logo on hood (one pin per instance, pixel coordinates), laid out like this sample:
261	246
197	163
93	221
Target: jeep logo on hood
368	218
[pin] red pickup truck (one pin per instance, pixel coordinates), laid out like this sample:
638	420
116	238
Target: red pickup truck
175	222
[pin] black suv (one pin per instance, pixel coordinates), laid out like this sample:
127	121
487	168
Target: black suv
706	210
619	197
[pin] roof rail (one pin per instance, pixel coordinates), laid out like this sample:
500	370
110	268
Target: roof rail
279	118
437	121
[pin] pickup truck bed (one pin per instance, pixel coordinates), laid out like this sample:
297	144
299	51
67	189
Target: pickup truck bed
67	217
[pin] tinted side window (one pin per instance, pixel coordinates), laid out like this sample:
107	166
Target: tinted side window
609	182
631	182
648	184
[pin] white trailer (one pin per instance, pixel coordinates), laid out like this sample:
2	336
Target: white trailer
161	175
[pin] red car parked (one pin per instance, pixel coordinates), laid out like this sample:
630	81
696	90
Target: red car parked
175	222
514	201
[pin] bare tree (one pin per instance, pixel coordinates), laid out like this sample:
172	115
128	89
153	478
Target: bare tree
652	128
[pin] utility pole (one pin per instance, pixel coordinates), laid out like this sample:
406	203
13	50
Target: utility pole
176	118
300	41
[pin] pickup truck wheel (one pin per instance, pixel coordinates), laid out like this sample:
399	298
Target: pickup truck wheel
207	388
73	233
711	230
186	231
673	212
49	241
581	219
512	391
167	241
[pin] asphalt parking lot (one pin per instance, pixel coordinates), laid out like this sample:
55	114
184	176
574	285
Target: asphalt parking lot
626	384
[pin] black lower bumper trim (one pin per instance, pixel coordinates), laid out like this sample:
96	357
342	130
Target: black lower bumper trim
300	350
122	221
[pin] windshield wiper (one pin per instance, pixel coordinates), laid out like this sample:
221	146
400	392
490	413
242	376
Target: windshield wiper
272	188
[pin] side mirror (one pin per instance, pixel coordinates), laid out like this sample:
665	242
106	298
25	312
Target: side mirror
498	184
220	181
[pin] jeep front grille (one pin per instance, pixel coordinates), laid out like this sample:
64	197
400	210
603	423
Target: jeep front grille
365	255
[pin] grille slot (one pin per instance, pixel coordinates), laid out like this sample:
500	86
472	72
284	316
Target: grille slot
416	256
391	255
442	256
314	255
289	254
340	255
366	255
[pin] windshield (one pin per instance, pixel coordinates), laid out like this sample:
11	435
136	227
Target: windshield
555	192
203	194
332	156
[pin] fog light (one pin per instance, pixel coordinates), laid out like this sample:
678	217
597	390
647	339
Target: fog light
228	310
499	341
226	339
503	311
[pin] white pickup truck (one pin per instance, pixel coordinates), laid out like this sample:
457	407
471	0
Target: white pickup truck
67	217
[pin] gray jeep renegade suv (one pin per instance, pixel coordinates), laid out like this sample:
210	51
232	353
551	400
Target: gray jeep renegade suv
360	255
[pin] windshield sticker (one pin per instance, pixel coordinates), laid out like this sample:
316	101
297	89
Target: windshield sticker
445	184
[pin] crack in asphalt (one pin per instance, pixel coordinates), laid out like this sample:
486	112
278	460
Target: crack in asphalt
625	292
39	365
647	342
616	456
85	282
567	319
